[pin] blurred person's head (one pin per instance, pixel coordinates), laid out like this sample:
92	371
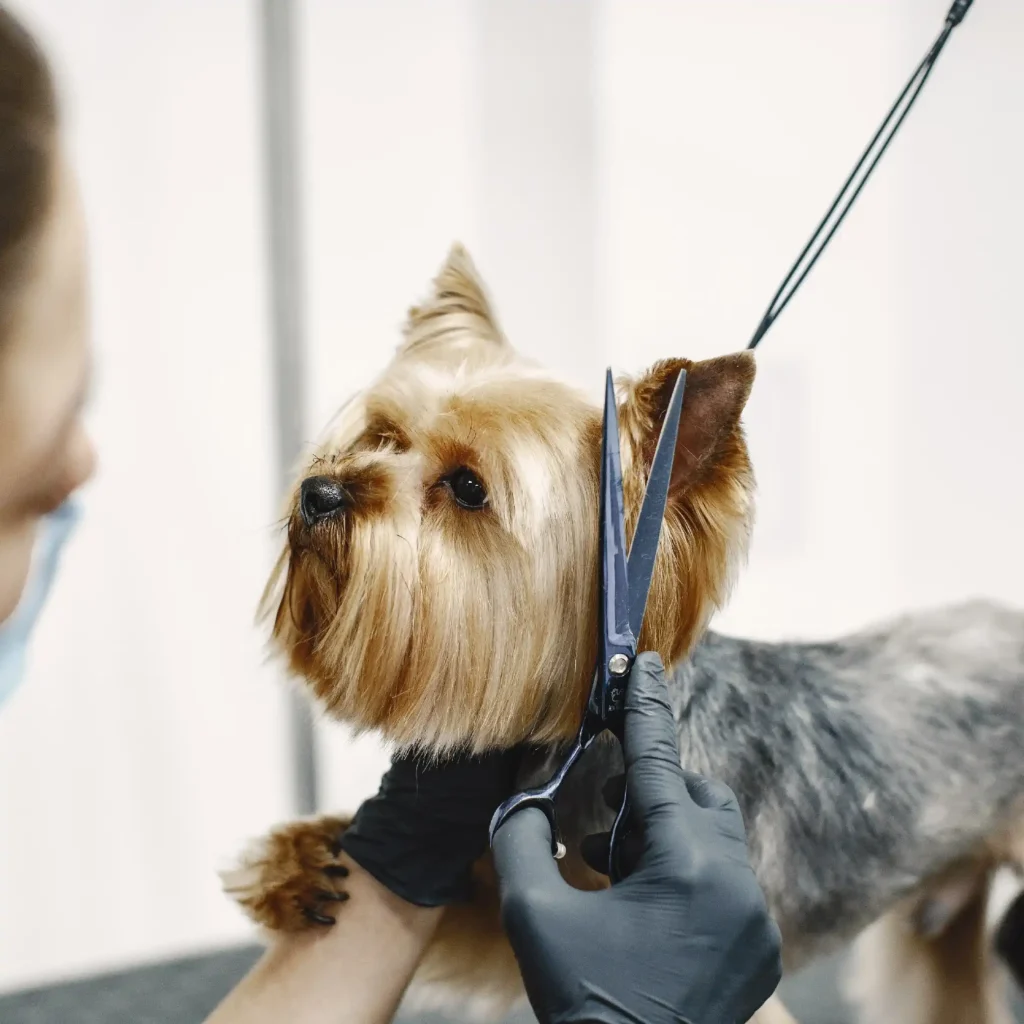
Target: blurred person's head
44	355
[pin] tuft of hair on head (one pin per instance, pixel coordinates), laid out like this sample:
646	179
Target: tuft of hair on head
709	514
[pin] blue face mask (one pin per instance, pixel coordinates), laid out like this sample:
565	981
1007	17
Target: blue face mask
54	531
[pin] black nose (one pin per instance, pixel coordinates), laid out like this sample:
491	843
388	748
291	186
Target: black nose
320	498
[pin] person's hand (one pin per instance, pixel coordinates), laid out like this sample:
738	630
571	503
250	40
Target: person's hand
421	833
685	937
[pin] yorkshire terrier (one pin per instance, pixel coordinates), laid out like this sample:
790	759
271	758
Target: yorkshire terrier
438	585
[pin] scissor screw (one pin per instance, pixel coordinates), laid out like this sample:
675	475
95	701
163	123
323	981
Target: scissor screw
618	664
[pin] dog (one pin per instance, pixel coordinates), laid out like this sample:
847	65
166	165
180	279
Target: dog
438	585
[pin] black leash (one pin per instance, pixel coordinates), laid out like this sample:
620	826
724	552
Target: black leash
848	194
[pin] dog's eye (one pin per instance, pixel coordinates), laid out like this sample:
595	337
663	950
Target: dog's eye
467	488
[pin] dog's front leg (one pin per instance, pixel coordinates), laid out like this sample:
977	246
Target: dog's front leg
773	1012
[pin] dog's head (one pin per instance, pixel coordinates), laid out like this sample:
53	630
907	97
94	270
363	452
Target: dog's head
439	580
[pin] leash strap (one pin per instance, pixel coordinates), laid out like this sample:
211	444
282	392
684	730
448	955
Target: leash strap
855	182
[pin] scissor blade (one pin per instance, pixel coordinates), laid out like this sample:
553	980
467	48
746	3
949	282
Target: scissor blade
644	548
614	578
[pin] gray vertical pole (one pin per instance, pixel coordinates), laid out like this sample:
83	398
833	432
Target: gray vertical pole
280	115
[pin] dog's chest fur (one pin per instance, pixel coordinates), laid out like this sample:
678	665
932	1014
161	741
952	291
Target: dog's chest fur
863	766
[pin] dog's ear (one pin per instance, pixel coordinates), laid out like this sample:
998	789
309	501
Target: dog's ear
710	439
457	321
710	503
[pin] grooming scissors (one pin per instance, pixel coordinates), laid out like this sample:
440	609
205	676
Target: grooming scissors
625	582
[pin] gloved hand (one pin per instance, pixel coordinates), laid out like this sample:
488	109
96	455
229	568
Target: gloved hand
685	937
421	833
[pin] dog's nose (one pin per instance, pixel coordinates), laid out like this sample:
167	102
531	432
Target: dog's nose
320	498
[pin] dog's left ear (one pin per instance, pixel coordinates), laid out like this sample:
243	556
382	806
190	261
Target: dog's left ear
457	321
709	428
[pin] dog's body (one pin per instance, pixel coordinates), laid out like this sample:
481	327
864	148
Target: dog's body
448	599
864	767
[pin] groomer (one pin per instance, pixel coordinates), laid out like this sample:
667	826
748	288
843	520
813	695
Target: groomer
685	936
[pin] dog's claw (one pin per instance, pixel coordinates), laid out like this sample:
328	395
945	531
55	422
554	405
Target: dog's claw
326	896
336	871
316	917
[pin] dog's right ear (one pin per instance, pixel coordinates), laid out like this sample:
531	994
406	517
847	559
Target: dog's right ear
710	501
457	322
710	441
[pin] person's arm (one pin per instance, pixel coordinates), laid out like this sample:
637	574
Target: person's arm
409	851
355	972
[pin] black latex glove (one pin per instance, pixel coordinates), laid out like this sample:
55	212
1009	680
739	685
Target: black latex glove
421	833
686	937
1010	940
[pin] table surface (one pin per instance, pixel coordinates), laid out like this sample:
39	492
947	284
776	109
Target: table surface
185	991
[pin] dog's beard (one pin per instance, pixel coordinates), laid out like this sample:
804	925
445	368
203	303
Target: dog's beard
437	630
346	612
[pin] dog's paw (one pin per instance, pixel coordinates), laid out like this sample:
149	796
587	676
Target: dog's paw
293	878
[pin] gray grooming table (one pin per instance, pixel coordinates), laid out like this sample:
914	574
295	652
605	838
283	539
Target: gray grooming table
185	991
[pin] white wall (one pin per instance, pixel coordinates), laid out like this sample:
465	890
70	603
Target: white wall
884	426
634	178
957	230
147	742
728	128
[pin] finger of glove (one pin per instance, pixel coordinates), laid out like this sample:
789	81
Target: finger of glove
710	793
651	749
720	801
522	853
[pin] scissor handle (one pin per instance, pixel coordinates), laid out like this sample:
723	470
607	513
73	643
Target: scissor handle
543	798
540	798
616	870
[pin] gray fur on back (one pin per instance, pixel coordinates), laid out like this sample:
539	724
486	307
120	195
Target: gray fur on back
863	765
